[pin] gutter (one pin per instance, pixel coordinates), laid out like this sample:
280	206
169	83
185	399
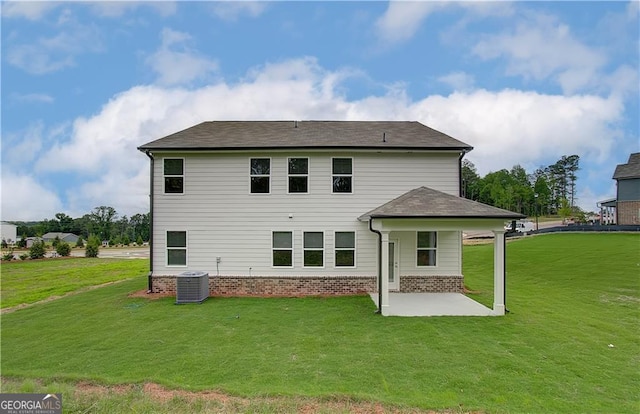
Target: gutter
151	168
379	311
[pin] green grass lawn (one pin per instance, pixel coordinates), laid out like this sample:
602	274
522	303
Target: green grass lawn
31	281
569	296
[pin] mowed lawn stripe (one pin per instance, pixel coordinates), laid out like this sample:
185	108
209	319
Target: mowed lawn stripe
570	296
32	281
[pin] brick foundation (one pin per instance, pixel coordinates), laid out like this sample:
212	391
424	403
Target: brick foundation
628	212
310	286
276	285
432	284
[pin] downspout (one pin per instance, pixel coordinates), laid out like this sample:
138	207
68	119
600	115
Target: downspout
151	168
379	311
504	273
460	174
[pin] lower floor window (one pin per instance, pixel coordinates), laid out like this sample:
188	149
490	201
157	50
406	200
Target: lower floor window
176	248
427	245
345	249
282	248
313	248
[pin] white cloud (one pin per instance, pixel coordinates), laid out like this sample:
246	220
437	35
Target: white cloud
528	128
402	19
111	9
53	53
459	81
176	62
24	197
506	127
542	48
31	10
32	97
232	10
36	10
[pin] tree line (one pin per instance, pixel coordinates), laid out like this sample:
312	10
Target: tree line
103	222
547	191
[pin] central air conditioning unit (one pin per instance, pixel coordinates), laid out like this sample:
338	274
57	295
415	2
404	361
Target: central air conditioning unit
192	287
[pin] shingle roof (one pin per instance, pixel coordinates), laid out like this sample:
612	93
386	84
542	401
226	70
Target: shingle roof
426	202
229	135
629	170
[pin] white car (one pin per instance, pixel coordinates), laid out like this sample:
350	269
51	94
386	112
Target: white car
521	226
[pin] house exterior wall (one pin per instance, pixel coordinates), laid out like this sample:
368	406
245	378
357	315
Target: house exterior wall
629	189
628	212
224	220
8	232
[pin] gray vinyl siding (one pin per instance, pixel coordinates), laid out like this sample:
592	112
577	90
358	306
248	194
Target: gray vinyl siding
223	219
629	189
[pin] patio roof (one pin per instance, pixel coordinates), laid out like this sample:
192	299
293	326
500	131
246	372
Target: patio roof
425	202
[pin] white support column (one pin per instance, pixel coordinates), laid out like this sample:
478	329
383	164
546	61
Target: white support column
498	273
384	307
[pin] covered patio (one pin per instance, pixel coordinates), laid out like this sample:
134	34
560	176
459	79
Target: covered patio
428	210
433	304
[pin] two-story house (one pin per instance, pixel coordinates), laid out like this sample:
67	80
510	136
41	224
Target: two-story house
314	208
627	200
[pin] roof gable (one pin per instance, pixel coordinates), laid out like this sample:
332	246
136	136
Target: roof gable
629	170
426	202
240	135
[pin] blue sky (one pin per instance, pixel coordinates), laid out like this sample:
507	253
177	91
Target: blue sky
84	84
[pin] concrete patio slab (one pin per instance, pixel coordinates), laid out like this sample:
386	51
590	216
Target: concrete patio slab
433	304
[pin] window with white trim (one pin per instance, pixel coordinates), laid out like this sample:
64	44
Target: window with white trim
345	249
313	248
282	248
342	175
427	246
260	173
173	171
298	175
176	248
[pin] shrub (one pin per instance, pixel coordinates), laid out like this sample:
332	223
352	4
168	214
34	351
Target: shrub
4	244
37	250
8	256
24	256
80	242
139	241
93	246
22	243
55	242
125	240
63	248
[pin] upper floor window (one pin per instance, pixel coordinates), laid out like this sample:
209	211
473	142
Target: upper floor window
260	172
313	248
176	248
426	248
173	171
298	175
342	175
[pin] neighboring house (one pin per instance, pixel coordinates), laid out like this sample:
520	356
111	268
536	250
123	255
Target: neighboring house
8	232
627	178
66	237
314	208
31	240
